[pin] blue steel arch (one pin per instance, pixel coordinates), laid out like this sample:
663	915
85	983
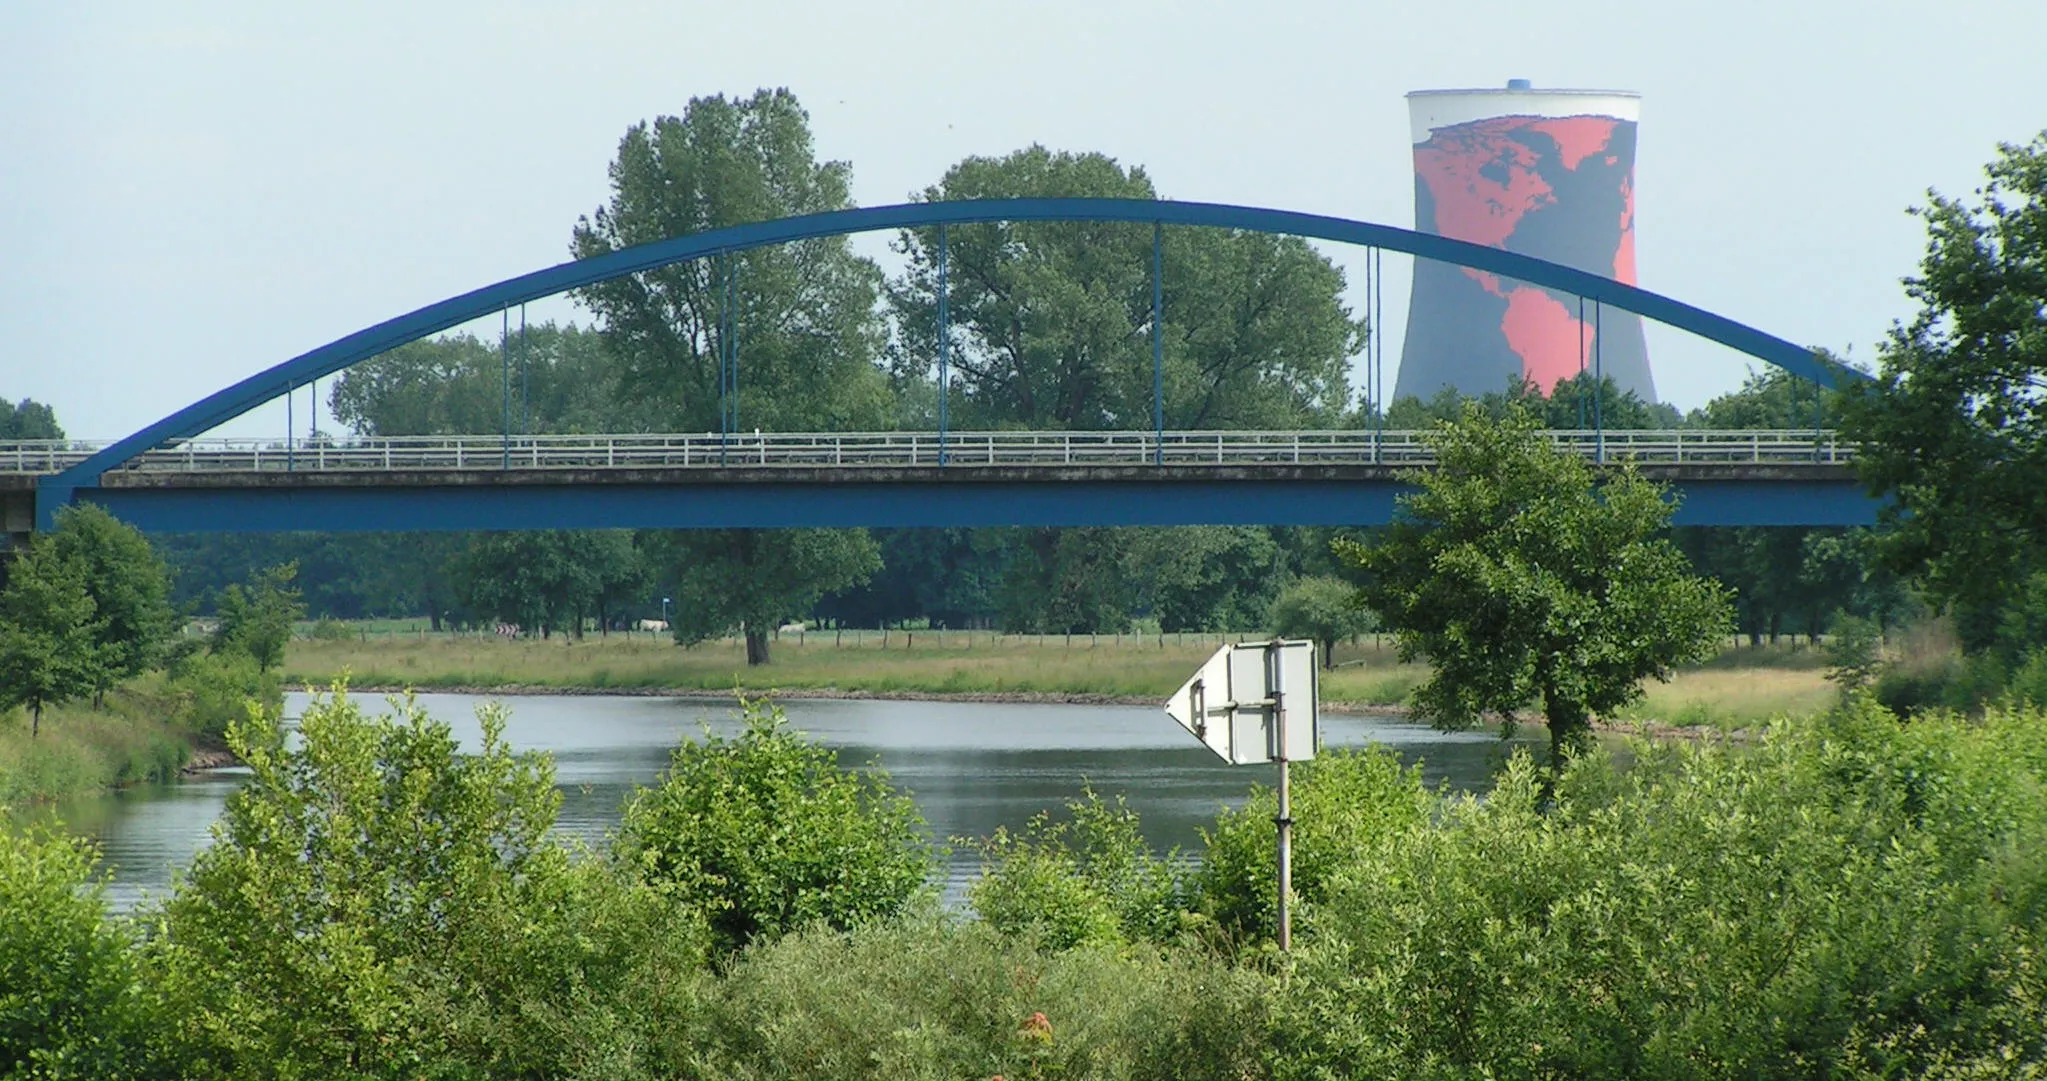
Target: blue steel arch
271	383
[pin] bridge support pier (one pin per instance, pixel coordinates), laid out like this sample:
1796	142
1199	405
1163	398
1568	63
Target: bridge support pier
17	519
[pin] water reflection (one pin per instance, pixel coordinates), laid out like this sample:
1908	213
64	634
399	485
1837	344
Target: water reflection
971	767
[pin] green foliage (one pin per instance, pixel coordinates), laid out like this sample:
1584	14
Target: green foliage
1324	610
929	998
28	419
377	904
1951	428
214	690
1067	581
547	378
1855	653
549	580
50	633
1346	805
728	579
765	833
257	621
1581	402
1210	578
807	328
1087	878
68	1001
129	586
1524	576
1051	319
1850	898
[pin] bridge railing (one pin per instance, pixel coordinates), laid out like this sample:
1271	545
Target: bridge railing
955	449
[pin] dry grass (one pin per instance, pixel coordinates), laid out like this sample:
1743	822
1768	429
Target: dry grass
1739	688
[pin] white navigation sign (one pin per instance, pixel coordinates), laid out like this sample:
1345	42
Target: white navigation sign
1246	696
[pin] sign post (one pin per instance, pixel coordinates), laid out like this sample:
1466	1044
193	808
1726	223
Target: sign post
1257	702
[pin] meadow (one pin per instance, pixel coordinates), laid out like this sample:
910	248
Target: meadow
1741	687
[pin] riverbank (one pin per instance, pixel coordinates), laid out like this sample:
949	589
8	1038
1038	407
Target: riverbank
81	750
1738	689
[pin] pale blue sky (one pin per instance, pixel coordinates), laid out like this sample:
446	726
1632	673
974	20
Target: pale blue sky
190	192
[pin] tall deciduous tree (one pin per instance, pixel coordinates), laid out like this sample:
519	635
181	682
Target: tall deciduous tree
28	419
1525	577
802	320
1052	319
754	580
549	580
1322	609
49	633
258	620
543	378
1954	427
128	585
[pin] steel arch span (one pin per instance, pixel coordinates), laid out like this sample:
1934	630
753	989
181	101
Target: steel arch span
234	400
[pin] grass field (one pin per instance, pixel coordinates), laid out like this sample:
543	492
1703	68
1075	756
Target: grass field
1741	687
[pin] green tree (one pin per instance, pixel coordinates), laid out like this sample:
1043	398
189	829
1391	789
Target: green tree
50	633
1209	578
754	580
128	584
549	378
70	1008
1954	426
258	620
1067	581
380	902
29	419
803	322
1052	319
1523	576
548	580
766	832
1321	609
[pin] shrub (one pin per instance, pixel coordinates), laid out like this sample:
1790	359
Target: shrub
1346	804
377	904
928	997
766	832
69	1006
1087	879
1851	898
214	690
329	629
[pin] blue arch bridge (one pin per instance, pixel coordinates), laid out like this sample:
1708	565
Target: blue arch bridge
165	478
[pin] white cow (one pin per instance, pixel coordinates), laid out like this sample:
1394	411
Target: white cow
655	625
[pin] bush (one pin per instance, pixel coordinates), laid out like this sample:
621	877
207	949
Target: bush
1087	879
377	904
766	833
329	629
69	1006
1346	805
214	690
934	998
1851	898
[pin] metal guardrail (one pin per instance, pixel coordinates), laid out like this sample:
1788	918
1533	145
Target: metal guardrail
960	449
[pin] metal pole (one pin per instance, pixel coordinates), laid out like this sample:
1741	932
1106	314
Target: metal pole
1377	341
1372	330
944	331
1158	346
505	385
290	425
525	379
724	340
1581	364
1285	818
1599	386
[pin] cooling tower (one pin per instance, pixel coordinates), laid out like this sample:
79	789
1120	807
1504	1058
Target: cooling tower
1547	173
